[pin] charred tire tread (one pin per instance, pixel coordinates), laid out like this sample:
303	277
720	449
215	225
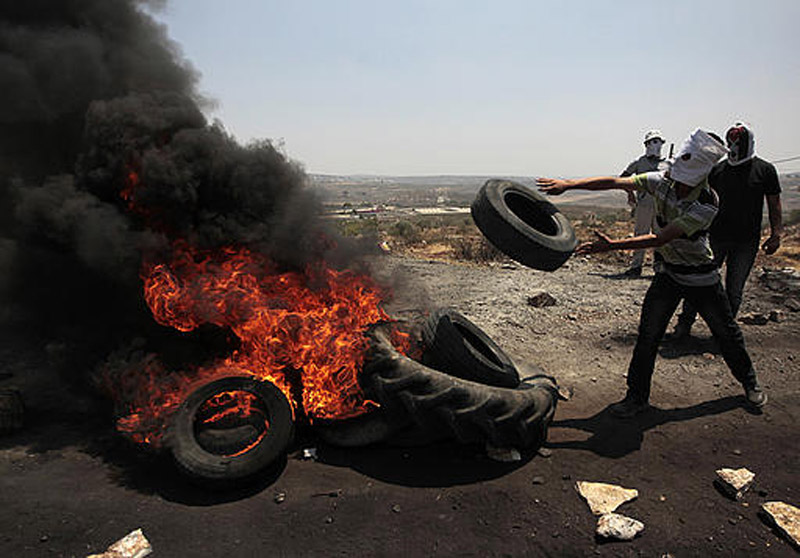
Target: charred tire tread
471	412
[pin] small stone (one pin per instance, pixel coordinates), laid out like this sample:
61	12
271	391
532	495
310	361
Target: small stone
44	538
541	300
593	379
619	527
737	452
280	498
792	304
776	316
604	498
754	318
735	482
544	452
537	480
662	498
786	517
396	508
329	519
708	356
310	453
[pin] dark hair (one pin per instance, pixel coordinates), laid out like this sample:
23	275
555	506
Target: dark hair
716	137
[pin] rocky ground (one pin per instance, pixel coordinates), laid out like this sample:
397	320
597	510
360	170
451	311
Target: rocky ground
70	486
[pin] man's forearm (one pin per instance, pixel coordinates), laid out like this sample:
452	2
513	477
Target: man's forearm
637	242
600	183
775	211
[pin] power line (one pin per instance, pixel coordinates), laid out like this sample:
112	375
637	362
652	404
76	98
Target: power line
786	160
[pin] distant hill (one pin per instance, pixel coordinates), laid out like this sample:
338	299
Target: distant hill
460	190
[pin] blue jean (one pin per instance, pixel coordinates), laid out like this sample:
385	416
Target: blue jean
659	304
739	257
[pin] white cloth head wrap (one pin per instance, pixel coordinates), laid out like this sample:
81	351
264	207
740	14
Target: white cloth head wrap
695	159
737	155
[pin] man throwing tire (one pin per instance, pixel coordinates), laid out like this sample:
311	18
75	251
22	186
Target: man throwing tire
742	181
684	264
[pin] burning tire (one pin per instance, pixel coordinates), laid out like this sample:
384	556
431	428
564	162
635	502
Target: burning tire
523	224
231	428
468	411
363	430
458	347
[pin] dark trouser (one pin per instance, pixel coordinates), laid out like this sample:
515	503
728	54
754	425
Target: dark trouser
660	302
739	257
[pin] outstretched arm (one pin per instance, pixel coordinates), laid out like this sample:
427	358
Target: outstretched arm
605	243
555	186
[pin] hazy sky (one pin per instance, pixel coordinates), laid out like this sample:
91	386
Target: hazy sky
497	87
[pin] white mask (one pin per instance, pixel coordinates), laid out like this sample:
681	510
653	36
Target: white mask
653	148
697	156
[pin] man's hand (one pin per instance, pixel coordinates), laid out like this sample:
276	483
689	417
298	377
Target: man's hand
551	186
772	244
604	243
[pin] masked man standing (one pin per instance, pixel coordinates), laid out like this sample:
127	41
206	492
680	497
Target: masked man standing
642	202
684	264
742	181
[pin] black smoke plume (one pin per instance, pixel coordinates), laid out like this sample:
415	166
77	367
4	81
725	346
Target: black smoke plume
93	92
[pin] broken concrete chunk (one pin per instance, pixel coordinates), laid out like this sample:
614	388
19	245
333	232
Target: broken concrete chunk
735	482
604	498
132	545
619	527
792	304
786	517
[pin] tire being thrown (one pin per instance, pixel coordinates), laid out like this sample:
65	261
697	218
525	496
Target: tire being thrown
458	347
523	224
237	451
468	411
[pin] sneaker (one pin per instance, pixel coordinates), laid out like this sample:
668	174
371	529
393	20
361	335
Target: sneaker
755	396
628	407
633	272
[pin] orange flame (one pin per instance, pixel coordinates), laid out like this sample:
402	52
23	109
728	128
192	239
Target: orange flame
311	322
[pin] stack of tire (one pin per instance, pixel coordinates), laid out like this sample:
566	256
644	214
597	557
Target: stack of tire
465	388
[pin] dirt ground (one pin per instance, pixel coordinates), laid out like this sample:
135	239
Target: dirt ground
70	486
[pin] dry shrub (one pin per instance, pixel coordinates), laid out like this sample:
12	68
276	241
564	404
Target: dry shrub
476	249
